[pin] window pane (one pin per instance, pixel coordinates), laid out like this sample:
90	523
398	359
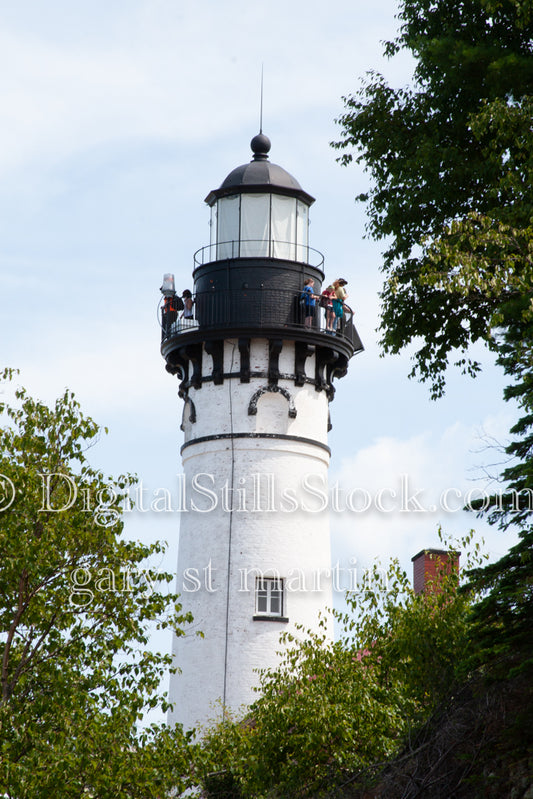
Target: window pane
302	232
269	596
283	226
213	225
255	225
228	227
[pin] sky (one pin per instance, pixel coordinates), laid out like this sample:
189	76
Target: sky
116	120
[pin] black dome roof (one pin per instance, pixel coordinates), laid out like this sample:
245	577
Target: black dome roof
260	175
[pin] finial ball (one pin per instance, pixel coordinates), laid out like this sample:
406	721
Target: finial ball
260	144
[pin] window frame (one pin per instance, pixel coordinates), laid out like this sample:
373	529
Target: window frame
271	589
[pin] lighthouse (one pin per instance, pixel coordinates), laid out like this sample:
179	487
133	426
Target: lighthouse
256	359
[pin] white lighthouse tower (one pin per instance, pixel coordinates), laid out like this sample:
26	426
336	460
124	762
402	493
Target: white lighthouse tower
256	379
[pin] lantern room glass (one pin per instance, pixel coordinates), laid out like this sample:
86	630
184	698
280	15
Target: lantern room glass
255	223
228	227
260	225
302	232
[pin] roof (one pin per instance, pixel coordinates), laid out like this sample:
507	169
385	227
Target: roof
260	175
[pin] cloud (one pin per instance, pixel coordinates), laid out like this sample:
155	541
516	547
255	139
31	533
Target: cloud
397	492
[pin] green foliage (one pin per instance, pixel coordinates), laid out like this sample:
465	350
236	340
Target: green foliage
76	604
334	710
451	164
503	620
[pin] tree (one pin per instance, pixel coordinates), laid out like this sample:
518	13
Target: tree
452	166
76	603
451	163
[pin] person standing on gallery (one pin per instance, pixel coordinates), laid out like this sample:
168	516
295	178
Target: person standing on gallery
341	295
326	301
188	303
170	313
309	299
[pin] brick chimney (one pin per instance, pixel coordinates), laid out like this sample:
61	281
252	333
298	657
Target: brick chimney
429	565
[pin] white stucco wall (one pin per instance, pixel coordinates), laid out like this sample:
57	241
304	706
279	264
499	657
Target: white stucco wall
278	527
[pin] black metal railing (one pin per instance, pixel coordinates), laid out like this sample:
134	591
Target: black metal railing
259	308
259	248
